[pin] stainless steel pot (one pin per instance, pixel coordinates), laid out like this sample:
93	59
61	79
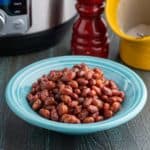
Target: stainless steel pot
27	25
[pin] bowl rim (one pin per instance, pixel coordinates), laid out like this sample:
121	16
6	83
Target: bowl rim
57	126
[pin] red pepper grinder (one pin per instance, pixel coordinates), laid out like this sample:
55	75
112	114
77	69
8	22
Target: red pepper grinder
89	31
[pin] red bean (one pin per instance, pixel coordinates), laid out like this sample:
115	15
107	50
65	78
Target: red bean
81	99
106	106
62	109
115	106
122	95
50	107
87	102
89	75
66	91
113	85
82	81
74	104
30	98
45	113
73	84
117	99
83	114
96	75
97	90
81	73
54	115
37	104
88	120
92	109
104	97
115	92
85	92
68	76
50	101
99	83
77	91
44	95
108	113
99	118
98	103
66	99
70	119
92	82
78	109
95	115
92	93
107	91
76	95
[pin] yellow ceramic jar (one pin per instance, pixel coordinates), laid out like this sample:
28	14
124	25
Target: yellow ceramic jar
134	51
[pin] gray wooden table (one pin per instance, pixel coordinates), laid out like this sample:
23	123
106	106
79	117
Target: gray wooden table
16	134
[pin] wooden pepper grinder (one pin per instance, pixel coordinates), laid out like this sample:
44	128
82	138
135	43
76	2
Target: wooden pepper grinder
89	31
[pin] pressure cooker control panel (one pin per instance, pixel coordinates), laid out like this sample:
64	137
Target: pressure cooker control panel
15	17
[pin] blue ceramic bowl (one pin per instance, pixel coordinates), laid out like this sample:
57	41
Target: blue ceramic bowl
128	81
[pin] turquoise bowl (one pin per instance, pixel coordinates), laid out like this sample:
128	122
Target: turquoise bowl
128	81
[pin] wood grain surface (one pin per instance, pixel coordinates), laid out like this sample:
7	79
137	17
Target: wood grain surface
16	134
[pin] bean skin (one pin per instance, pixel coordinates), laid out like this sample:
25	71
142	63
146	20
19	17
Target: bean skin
68	76
50	101
89	75
54	115
99	118
108	113
122	95
115	92
83	114
73	84
66	91
37	105
92	109
45	113
66	99
85	92
62	109
78	109
87	102
88	120
106	106
76	95
92	93
30	98
99	83
104	97
115	106
112	85
97	90
82	81
107	91
92	82
70	119
77	91
98	103
116	99
96	75
74	104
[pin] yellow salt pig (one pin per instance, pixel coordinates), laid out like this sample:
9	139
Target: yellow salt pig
122	15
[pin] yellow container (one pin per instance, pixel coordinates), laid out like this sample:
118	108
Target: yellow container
134	51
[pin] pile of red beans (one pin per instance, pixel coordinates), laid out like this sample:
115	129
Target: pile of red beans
76	95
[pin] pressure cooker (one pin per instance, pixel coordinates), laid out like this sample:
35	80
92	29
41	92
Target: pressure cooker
32	25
